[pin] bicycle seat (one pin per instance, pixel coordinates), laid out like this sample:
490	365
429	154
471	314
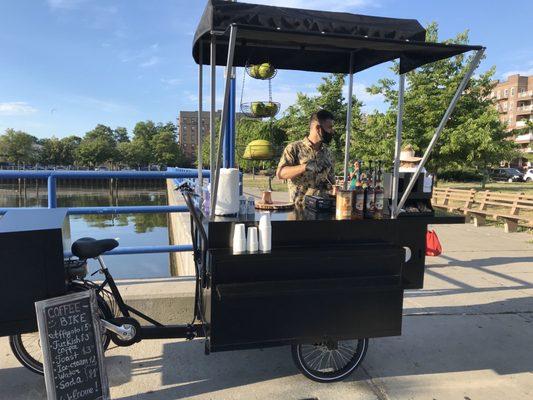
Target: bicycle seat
91	248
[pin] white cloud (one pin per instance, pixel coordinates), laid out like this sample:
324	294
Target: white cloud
150	62
16	108
525	72
325	5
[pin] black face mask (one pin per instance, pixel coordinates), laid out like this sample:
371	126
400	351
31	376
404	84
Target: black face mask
326	136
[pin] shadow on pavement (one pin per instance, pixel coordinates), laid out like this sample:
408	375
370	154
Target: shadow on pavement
480	265
184	364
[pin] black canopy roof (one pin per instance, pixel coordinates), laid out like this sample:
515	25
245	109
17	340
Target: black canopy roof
320	41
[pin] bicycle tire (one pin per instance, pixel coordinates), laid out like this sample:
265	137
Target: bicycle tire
31	359
313	371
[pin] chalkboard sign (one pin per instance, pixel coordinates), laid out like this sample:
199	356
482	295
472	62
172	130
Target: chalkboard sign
69	328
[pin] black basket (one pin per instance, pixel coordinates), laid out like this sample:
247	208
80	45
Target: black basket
260	109
253	71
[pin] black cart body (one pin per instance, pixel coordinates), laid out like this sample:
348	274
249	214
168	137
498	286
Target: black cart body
323	279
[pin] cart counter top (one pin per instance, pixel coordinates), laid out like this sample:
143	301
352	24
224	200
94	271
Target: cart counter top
302	214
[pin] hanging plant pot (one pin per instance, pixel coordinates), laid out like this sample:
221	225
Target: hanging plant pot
261	71
260	109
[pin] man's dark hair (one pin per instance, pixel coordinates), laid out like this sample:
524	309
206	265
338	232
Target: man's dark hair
320	116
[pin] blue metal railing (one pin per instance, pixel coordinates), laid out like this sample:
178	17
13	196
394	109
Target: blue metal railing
178	174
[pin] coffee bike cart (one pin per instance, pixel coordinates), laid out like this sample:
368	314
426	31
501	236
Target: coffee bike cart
327	285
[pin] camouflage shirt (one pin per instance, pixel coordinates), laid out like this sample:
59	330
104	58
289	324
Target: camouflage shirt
301	152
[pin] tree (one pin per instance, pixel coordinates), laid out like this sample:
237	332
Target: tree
69	146
165	148
152	144
18	147
121	135
473	137
51	152
97	147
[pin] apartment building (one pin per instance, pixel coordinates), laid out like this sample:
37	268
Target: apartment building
188	131
514	100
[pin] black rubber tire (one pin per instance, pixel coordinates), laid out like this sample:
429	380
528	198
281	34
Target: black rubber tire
16	342
330	376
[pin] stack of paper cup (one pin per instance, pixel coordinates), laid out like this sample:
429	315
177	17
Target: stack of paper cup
239	239
265	233
252	242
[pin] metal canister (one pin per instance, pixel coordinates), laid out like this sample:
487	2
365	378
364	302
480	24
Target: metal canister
344	204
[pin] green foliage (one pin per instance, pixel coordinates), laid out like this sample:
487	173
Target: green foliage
152	144
295	120
18	147
97	147
473	137
56	151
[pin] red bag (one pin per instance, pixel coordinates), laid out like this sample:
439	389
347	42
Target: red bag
433	246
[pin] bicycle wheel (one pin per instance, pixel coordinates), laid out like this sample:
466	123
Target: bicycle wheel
27	346
329	361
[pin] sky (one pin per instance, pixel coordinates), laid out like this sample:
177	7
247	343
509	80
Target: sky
67	65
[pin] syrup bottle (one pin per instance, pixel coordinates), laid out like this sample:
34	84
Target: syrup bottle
378	194
369	193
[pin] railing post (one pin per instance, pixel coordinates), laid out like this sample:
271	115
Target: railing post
52	201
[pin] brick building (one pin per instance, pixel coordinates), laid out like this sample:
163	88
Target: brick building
514	100
188	131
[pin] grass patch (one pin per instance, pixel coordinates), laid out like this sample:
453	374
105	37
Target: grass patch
260	182
502	187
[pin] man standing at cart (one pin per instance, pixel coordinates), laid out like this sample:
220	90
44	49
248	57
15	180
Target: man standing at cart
307	164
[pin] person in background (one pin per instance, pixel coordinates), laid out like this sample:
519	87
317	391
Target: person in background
307	164
354	172
409	163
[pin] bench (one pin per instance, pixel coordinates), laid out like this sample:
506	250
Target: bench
453	200
504	207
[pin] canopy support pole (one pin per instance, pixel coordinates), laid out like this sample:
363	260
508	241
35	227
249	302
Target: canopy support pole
348	124
471	68
224	116
212	114
398	147
200	182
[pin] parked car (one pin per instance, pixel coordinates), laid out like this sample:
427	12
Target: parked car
528	176
507	175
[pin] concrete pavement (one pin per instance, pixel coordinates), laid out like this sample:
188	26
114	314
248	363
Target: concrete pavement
467	335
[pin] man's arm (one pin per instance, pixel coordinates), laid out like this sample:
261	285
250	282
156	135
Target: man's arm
289	166
290	172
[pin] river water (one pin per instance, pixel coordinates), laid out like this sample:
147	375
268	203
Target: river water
130	229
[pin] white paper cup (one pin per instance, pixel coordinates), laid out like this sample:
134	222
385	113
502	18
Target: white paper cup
252	240
239	239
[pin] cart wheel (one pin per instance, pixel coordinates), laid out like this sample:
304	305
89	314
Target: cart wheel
27	346
126	322
329	361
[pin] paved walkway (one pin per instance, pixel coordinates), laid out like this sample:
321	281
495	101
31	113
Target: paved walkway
466	336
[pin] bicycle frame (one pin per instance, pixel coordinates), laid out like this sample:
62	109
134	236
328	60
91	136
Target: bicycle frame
156	330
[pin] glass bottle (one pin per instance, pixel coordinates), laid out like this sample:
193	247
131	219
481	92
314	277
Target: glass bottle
378	193
359	202
369	193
